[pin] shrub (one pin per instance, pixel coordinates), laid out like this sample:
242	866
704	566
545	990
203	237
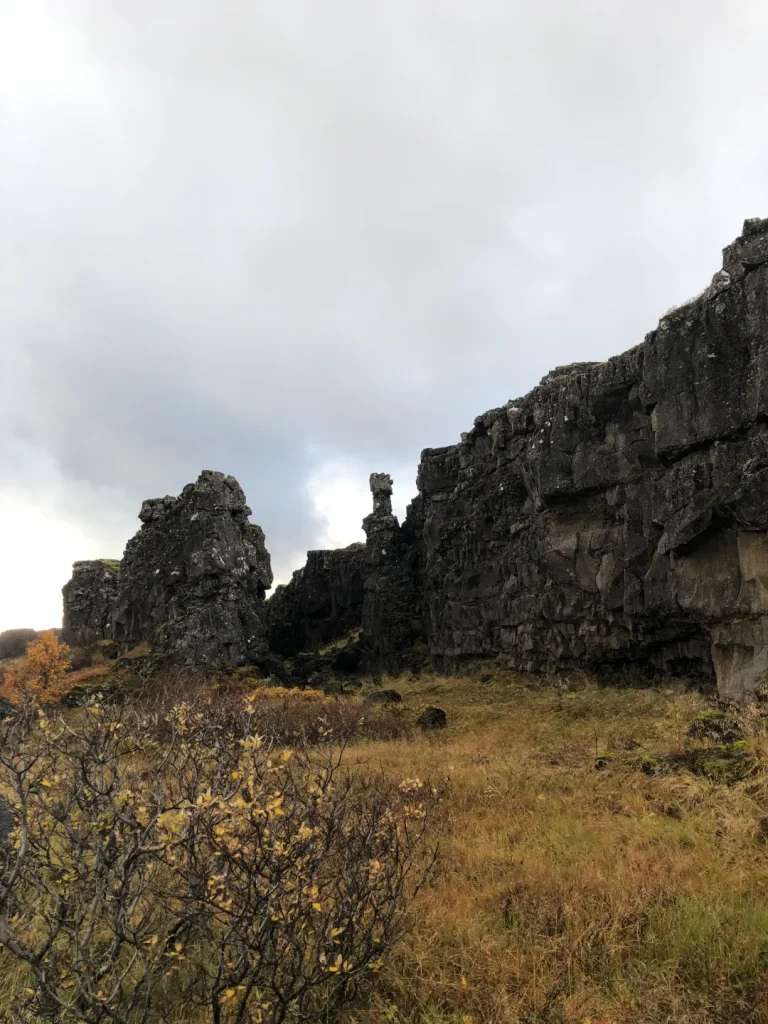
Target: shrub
42	672
284	715
239	880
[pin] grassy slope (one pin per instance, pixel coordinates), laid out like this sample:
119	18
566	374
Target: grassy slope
570	894
566	893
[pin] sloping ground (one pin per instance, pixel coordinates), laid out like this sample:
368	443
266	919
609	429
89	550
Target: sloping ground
586	875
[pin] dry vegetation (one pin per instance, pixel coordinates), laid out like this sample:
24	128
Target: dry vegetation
585	876
569	893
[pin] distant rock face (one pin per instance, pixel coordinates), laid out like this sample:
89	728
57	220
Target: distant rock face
322	603
615	517
618	514
392	613
13	642
89	598
193	578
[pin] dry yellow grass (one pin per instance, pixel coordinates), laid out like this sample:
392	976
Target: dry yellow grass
568	894
564	893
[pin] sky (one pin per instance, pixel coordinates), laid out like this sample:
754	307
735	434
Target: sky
300	241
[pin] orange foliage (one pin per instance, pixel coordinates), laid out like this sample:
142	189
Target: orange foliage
42	671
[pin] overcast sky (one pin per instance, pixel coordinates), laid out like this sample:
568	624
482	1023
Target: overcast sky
300	241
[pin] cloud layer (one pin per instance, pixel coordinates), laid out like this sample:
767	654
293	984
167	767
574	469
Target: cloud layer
299	241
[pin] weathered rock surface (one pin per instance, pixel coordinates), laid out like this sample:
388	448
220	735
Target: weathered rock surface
89	598
392	613
193	579
618	514
191	583
322	603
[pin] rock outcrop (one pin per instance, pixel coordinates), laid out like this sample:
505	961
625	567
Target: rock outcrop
193	579
191	583
322	603
392	614
89	598
618	514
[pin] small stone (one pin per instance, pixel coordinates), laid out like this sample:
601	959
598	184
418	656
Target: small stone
432	718
384	697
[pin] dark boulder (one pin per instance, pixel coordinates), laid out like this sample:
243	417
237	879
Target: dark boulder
384	697
432	718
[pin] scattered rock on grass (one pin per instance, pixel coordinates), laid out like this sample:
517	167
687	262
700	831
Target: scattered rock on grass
716	726
384	697
432	718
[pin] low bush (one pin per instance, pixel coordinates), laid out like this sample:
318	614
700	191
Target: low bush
283	715
236	878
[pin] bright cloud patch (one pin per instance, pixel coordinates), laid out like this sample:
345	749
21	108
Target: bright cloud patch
36	551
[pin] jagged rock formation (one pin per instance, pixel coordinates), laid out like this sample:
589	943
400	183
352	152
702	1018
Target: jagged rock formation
392	615
322	603
89	598
617	514
191	583
193	579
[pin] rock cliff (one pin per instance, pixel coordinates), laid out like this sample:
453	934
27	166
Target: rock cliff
193	579
618	514
89	598
191	583
615	516
322	603
392	612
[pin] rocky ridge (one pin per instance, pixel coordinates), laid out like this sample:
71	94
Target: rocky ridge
614	517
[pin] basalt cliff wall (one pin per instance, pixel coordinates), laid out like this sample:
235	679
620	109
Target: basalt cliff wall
618	514
322	602
615	516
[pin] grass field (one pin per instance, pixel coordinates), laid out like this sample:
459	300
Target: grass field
568	892
584	877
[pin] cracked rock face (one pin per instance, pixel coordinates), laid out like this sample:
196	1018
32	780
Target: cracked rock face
193	578
322	603
89	597
392	618
191	583
618	513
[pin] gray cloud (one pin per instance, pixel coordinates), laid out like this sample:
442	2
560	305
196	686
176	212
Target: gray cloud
268	237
